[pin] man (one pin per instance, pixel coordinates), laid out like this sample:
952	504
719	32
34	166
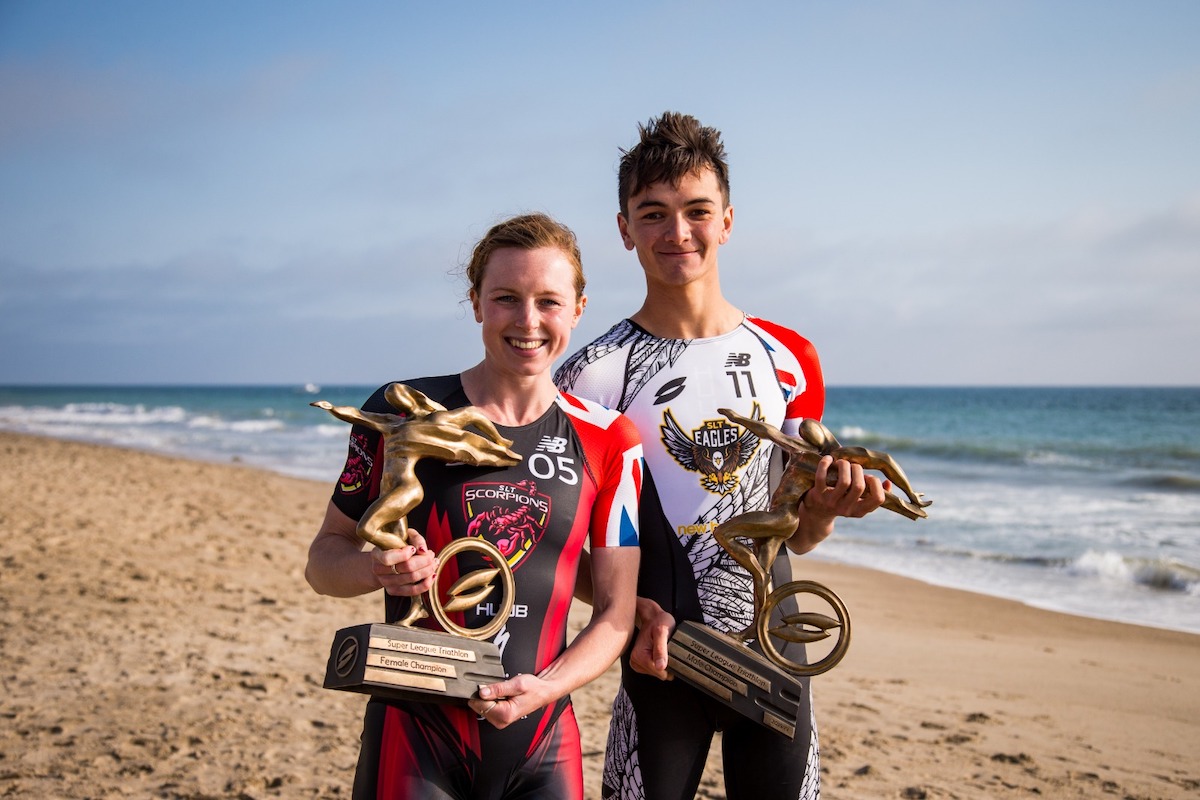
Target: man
685	353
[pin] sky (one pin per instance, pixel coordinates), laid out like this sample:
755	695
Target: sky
938	192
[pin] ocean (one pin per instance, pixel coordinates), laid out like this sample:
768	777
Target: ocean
1082	500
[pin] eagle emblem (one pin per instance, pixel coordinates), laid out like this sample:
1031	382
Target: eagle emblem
717	449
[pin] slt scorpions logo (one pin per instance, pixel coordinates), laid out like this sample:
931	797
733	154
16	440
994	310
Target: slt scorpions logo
358	465
511	516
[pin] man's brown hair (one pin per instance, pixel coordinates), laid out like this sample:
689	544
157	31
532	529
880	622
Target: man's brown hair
672	147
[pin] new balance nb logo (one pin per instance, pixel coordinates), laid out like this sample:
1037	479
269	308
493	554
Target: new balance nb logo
738	360
552	444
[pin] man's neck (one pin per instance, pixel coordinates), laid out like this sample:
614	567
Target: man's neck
687	315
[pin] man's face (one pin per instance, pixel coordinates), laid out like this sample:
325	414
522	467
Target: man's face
676	230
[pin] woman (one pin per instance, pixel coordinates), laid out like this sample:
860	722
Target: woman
577	482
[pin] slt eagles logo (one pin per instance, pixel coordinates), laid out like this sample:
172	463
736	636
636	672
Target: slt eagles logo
717	449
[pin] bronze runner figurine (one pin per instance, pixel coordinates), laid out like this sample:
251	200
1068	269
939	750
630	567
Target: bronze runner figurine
425	429
769	529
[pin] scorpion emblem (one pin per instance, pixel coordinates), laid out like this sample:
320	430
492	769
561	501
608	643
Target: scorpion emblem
513	531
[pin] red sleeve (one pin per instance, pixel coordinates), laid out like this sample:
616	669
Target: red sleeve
808	400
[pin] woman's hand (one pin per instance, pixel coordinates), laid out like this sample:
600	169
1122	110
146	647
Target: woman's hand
505	702
406	571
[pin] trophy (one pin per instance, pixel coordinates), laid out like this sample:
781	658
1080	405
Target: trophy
765	687
398	660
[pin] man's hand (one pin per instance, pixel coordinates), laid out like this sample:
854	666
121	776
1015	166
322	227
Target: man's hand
854	493
649	653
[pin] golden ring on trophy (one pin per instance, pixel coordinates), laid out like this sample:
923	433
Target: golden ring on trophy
805	627
473	588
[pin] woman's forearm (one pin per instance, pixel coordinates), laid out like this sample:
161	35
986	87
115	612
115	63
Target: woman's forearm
337	564
599	644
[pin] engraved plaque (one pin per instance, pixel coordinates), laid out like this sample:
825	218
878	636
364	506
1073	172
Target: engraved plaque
406	663
737	676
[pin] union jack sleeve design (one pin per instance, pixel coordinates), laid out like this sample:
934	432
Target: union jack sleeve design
614	458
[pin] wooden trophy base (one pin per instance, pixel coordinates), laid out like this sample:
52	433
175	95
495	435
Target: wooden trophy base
737	676
410	663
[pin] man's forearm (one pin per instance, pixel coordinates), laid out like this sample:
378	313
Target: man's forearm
812	528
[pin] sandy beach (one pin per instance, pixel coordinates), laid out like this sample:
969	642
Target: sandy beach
159	640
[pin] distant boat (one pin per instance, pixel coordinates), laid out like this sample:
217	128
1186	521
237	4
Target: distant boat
311	388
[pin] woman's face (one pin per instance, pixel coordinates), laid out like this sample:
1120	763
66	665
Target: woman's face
527	305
